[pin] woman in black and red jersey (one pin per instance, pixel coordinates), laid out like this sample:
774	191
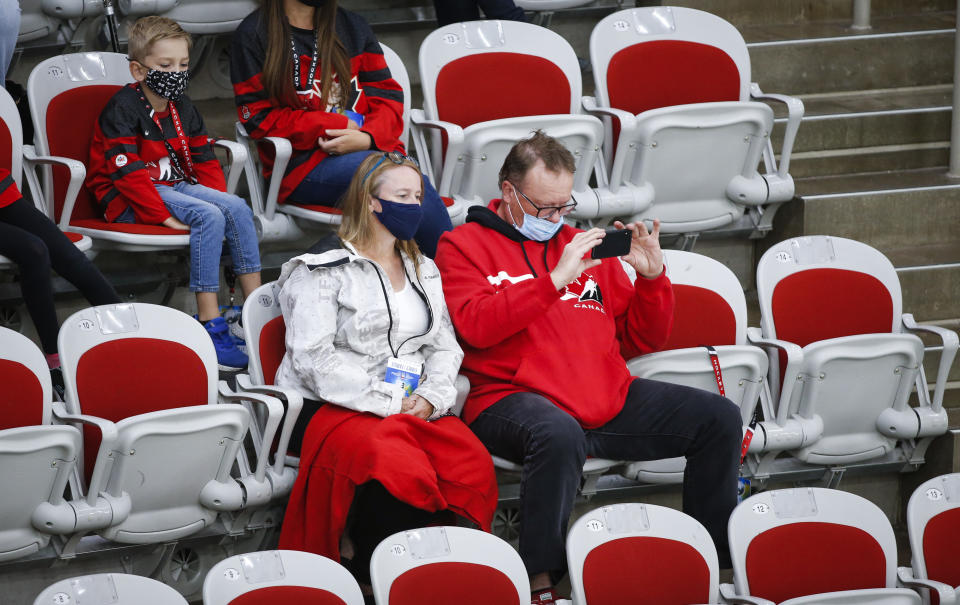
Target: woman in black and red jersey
309	72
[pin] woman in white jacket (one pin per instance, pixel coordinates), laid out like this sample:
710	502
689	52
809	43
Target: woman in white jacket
367	329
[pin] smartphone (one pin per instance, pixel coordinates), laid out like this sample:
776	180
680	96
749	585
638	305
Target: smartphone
615	243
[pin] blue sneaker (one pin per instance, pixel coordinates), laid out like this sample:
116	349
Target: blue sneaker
229	357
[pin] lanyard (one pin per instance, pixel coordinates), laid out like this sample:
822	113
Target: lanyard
718	375
178	126
296	65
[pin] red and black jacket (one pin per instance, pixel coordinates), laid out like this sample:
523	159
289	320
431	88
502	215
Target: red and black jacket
373	93
519	333
8	188
128	156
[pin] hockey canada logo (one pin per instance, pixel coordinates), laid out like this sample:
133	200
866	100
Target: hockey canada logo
120	161
245	112
163	170
586	292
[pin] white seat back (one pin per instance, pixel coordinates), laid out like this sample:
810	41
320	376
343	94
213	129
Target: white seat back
262	310
279	576
448	565
110	588
878	596
36	459
709	309
933	524
152	370
840	300
34	22
697	139
640	553
492	83
398	71
209	16
838	541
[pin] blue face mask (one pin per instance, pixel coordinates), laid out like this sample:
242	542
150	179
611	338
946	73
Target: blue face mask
401	220
535	228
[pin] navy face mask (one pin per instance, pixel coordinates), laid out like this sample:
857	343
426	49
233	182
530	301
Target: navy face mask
401	220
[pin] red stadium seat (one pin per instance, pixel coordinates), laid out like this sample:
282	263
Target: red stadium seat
159	465
710	309
933	523
443	565
487	84
643	555
280	576
813	545
15	156
36	458
684	128
832	306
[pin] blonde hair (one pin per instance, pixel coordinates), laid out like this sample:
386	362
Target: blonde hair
147	31
356	226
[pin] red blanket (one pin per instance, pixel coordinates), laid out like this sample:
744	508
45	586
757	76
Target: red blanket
434	466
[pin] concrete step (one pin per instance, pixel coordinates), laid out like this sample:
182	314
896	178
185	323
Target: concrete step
892	221
874	118
899	53
870	159
745	13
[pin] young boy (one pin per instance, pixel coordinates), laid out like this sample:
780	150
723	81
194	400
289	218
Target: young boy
151	163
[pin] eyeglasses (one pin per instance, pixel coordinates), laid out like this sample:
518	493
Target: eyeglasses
394	156
548	212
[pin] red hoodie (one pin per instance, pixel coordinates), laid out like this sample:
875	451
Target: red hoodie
519	333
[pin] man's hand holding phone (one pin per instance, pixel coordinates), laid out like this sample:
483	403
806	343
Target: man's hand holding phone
645	255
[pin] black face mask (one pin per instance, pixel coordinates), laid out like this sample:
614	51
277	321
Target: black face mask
314	3
168	84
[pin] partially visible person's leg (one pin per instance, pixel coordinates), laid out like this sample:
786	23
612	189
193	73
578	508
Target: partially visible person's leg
9	28
30	255
376	515
329	179
502	9
663	420
64	257
240	233
456	11
529	429
207	226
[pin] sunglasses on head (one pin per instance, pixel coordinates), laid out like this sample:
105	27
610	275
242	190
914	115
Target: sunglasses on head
394	156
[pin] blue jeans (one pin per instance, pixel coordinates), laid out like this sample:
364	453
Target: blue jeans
329	179
658	420
212	216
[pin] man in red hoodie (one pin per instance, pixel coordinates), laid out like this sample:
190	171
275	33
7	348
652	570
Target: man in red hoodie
545	330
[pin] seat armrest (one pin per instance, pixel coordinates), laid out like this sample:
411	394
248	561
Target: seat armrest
294	401
624	153
790	374
728	594
627	120
947	594
950	342
274	414
431	163
78	173
282	151
108	440
794	116
237	156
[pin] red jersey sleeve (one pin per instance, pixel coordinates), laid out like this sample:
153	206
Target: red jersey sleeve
8	188
643	310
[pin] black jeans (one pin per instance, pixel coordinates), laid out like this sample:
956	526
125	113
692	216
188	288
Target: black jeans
455	11
658	420
35	244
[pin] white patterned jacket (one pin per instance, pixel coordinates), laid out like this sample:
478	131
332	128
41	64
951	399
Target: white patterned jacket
337	309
